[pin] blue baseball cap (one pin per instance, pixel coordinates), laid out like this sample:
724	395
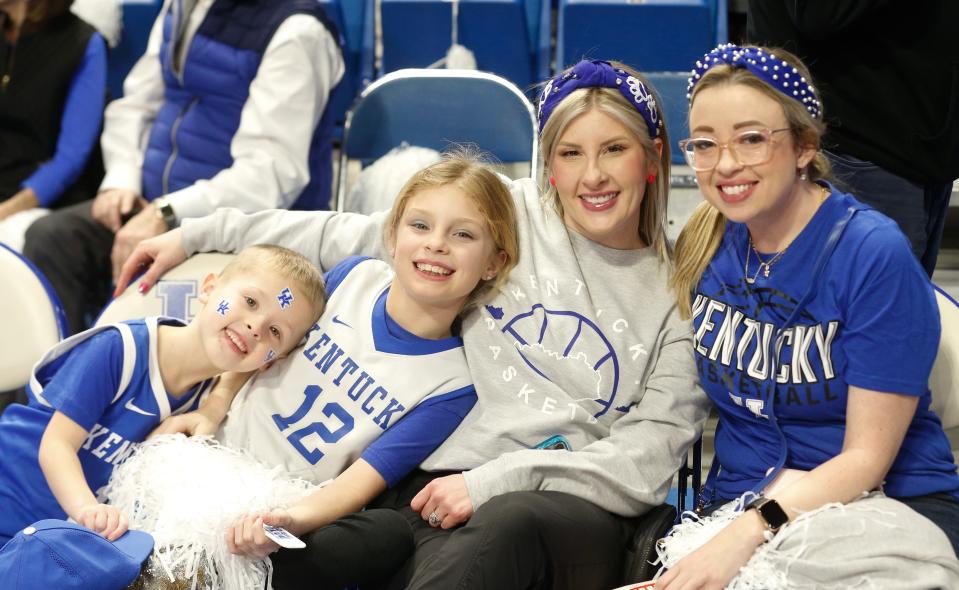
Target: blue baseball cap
63	555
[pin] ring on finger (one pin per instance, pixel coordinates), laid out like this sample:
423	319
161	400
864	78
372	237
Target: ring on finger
435	520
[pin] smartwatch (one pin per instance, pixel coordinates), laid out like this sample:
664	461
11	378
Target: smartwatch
165	212
770	511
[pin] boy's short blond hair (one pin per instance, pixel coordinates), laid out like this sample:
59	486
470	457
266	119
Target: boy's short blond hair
288	264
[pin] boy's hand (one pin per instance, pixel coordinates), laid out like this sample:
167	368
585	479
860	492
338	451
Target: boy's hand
191	424
103	519
246	536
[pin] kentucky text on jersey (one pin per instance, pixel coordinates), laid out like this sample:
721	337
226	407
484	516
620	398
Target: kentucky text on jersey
108	446
746	342
376	400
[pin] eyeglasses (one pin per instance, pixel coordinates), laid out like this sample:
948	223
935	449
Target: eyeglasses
750	148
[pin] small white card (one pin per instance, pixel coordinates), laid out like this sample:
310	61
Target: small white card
283	537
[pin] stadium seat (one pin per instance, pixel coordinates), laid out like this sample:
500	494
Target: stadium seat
34	320
944	379
652	36
504	35
174	295
434	109
138	17
352	18
671	88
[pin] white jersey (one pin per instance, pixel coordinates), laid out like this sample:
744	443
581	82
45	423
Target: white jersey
358	374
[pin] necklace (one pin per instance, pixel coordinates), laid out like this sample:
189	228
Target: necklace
766	266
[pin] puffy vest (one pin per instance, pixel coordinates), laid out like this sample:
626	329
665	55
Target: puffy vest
190	138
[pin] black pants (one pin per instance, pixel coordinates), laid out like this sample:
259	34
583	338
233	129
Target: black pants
520	540
72	250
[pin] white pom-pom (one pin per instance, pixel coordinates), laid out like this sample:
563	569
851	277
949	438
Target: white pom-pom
187	492
460	58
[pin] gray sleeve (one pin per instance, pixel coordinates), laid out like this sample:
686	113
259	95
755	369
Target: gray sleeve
629	471
325	237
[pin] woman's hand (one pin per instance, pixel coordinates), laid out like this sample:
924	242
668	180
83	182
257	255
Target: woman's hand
246	536
448	498
23	200
717	562
157	255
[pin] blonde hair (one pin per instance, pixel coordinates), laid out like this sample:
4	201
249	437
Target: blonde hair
464	169
609	101
700	238
286	263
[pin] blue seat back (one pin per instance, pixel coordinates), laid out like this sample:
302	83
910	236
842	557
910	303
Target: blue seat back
502	34
655	35
437	108
138	17
671	87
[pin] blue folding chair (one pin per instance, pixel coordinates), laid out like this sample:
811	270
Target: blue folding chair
671	88
653	36
434	109
34	319
507	37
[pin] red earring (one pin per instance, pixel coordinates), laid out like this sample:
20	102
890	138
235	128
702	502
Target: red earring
651	178
552	181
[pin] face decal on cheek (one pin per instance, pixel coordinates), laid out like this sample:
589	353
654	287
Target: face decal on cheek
223	308
270	355
285	298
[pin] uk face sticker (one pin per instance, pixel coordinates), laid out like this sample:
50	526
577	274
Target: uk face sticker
285	298
223	308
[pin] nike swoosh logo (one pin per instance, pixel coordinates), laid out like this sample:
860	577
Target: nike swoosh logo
337	320
129	406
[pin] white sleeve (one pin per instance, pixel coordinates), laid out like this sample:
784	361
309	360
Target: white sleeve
271	148
127	120
324	237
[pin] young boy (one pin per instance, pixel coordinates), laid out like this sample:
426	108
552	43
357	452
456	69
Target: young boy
96	395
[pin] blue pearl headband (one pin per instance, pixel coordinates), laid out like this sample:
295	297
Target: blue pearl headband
776	72
601	74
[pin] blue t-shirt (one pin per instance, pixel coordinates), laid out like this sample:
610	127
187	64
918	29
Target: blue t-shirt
107	380
871	321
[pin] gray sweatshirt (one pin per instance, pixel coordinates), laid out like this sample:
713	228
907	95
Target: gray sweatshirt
584	342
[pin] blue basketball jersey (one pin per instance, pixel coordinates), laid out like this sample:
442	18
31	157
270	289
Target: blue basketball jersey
871	321
107	380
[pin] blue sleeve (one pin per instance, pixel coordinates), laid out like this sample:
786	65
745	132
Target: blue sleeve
891	321
335	275
414	438
79	126
86	382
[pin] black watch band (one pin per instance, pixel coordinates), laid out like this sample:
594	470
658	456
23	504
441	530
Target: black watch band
165	212
770	511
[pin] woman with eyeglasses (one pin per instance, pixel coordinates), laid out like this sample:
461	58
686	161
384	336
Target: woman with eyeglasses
815	332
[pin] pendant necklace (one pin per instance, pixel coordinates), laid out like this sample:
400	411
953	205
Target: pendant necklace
766	266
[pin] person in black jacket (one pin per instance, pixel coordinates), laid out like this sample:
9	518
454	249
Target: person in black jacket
888	75
52	88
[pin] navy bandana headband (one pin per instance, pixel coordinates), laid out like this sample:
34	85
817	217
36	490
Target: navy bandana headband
778	73
600	74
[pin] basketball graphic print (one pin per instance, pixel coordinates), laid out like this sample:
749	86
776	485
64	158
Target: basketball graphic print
557	344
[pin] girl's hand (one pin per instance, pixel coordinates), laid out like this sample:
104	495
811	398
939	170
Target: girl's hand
103	519
715	564
193	423
448	498
246	536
